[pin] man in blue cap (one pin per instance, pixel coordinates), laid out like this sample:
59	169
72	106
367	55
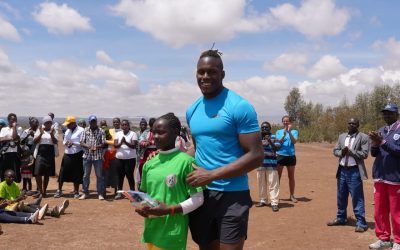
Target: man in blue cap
93	140
386	174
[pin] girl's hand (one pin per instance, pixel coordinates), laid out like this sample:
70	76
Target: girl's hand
159	210
142	211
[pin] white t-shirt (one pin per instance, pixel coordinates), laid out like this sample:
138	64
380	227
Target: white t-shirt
46	137
6	133
125	152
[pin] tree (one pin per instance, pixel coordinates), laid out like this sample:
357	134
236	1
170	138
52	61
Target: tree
293	104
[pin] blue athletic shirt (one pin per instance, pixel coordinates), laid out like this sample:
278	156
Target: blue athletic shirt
287	147
215	125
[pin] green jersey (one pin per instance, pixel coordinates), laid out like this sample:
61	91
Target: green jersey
9	192
164	179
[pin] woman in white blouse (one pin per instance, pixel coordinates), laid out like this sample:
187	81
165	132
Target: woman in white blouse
125	143
72	164
45	157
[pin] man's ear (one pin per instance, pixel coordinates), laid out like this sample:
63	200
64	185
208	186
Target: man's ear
223	74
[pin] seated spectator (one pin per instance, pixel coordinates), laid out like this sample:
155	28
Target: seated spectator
11	198
17	217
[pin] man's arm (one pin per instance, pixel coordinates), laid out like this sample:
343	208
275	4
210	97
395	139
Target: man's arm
361	153
337	150
252	159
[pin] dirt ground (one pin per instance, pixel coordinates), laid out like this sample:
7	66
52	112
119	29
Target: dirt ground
95	224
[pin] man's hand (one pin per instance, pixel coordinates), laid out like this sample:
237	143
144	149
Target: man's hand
199	177
345	150
375	137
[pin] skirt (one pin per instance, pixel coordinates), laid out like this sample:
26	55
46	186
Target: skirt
45	164
71	168
111	174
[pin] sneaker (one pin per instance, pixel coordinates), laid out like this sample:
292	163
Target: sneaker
37	201
293	199
58	194
30	193
381	244
396	246
101	197
361	229
34	218
42	211
64	206
118	196
76	196
55	212
337	222
83	196
275	208
36	194
261	204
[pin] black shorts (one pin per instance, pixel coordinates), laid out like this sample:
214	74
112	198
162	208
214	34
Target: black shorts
286	160
223	216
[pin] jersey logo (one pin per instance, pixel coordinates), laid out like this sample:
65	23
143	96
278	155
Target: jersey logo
170	180
396	137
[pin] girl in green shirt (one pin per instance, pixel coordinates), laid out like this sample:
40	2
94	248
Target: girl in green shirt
164	179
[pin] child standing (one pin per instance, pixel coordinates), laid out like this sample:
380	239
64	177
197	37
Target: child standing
27	162
268	172
164	179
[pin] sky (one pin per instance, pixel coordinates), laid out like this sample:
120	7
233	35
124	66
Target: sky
138	57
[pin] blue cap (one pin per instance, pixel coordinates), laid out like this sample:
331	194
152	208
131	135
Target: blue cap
92	117
3	122
391	107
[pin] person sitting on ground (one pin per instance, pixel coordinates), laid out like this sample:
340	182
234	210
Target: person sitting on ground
17	217
10	193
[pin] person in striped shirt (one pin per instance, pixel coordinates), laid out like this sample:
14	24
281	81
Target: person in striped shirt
268	172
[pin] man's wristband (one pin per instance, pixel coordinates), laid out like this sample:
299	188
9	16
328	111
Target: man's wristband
171	210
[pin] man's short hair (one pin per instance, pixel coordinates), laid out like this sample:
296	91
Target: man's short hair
212	53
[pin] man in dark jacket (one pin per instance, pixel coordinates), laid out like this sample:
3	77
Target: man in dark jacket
386	174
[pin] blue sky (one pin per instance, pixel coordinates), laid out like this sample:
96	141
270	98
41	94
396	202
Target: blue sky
138	58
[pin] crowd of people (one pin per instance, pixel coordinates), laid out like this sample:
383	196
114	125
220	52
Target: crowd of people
199	179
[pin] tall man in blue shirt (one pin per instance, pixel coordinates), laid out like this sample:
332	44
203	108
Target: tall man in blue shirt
227	145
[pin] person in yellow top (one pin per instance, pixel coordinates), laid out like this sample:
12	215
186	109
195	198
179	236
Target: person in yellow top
110	163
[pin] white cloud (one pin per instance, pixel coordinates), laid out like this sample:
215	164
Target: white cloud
61	19
180	22
327	67
392	52
349	84
314	18
103	57
8	31
288	62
